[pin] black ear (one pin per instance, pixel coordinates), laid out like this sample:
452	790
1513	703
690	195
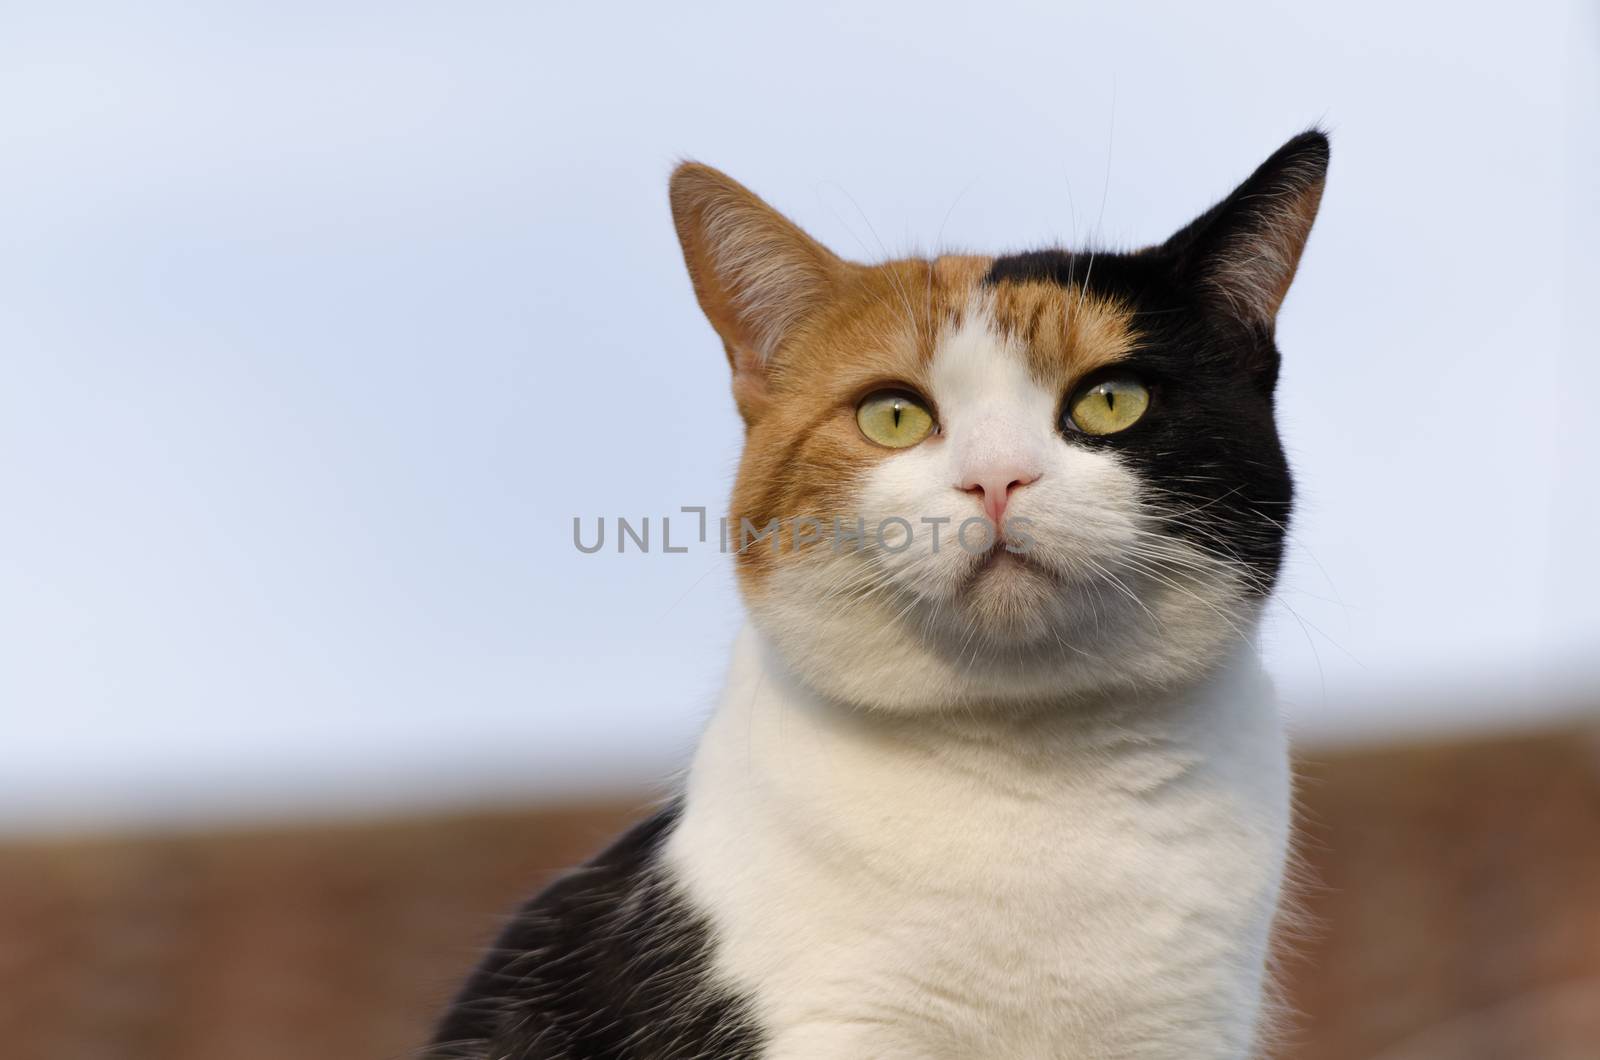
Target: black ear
1241	254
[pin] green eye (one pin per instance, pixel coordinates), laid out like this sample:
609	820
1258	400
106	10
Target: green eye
1110	404
894	418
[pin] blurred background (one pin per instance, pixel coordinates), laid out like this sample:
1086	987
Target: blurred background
320	324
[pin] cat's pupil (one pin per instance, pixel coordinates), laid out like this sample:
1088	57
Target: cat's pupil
897	413
1111	399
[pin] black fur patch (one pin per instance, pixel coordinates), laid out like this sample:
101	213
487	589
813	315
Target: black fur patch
1208	447
609	963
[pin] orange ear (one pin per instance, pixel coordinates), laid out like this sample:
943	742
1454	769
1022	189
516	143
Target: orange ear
756	274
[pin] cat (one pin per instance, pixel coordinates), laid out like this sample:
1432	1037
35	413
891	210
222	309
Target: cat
1024	795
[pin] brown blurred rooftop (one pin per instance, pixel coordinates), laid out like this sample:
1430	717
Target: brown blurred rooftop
1455	915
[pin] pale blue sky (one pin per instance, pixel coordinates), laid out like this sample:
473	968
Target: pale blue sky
319	323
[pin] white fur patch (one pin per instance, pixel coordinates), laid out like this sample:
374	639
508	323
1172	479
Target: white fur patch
1095	883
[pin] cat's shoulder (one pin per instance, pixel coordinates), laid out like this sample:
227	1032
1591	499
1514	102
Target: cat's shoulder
607	961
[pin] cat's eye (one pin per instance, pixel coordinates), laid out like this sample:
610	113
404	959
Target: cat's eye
894	418
1110	404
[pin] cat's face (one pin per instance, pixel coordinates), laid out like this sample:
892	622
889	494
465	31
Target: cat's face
978	481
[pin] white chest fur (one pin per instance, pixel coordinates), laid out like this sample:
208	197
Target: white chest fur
1089	884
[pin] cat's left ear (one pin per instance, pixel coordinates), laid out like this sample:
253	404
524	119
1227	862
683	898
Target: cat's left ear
1242	253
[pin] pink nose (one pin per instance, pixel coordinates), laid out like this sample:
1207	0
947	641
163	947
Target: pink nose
994	489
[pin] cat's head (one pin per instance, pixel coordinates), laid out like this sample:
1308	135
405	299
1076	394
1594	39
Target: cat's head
1111	413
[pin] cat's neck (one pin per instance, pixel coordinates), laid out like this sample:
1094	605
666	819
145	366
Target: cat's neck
1143	832
1202	721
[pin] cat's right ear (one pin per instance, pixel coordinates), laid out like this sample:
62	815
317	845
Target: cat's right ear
756	274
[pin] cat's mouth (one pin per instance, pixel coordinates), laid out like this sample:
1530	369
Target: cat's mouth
1001	565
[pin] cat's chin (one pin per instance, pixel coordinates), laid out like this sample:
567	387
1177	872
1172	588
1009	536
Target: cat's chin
1011	597
1017	634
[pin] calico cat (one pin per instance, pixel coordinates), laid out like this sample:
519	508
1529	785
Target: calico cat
1023	794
